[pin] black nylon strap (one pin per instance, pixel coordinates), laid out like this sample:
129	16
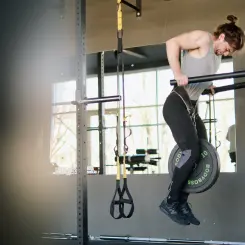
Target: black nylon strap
186	99
128	200
117	202
121	201
183	94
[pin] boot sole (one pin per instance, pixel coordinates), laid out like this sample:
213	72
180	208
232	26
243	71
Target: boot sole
195	224
192	223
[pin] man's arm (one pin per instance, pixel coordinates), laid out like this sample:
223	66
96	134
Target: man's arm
186	41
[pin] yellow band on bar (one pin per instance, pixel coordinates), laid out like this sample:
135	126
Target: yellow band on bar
119	15
124	166
118	169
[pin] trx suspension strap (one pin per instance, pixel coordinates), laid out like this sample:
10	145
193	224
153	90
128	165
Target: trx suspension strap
124	196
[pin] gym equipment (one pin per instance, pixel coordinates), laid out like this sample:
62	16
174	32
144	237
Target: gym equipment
97	100
81	102
138	159
206	172
82	161
148	151
225	88
121	200
200	180
212	120
201	79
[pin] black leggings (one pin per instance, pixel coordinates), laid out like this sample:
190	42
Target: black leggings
177	117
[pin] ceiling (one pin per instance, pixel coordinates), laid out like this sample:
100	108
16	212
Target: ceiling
138	58
160	20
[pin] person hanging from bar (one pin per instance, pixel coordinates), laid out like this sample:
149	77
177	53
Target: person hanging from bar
202	53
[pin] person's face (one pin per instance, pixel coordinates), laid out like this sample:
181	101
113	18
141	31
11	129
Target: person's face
221	47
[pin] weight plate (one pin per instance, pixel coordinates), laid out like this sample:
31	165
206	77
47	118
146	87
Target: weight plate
206	172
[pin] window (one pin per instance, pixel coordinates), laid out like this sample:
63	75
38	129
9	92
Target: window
140	89
63	142
146	92
92	91
63	135
64	92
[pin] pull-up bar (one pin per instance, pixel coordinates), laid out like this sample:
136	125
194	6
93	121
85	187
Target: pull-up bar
208	78
225	88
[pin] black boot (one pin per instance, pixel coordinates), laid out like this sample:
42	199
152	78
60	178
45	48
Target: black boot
173	212
187	212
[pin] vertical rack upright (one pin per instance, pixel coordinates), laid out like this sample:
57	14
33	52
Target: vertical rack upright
82	209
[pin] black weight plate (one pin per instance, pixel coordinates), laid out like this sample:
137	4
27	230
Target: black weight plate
206	172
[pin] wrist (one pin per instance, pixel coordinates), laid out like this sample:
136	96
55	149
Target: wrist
177	73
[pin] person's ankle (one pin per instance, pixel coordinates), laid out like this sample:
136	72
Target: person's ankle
171	200
183	201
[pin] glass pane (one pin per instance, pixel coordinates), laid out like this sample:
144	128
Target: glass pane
92	91
203	109
166	144
141	116
93	148
143	138
94	121
110	120
160	115
110	89
224	121
110	83
92	87
63	143
92	107
110	143
64	92
140	88
225	115
64	109
224	68
163	84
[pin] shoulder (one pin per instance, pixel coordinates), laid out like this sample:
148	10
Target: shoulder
199	37
203	36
